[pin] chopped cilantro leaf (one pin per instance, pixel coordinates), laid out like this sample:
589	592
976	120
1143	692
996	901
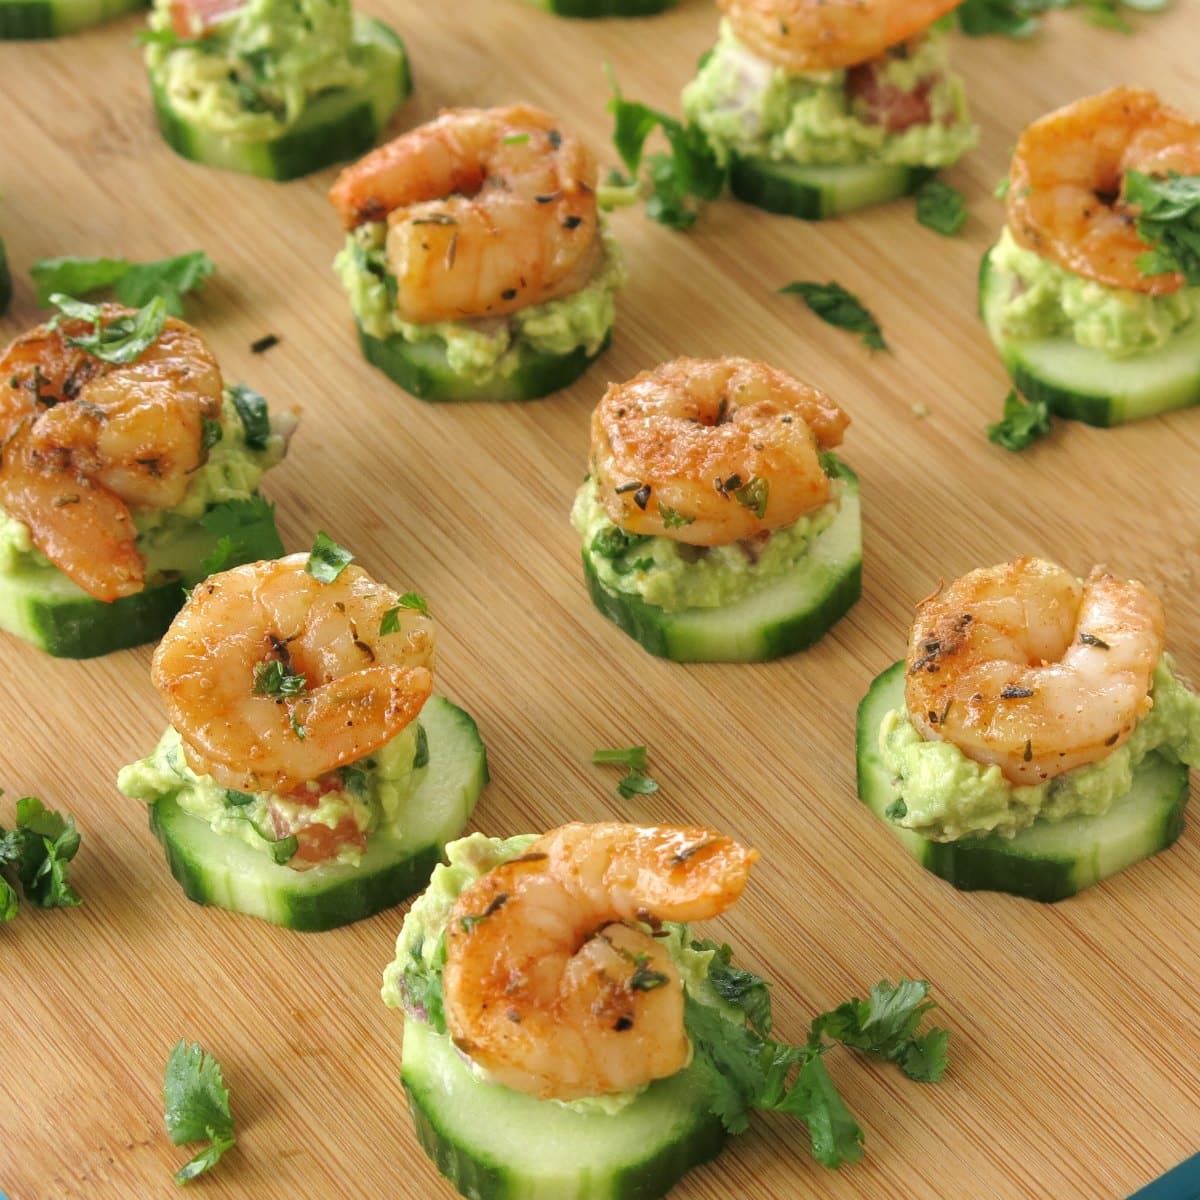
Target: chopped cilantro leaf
245	532
836	306
672	518
635	782
272	678
1169	221
743	989
196	1107
135	284
753	495
941	208
1022	423
123	338
252	409
327	560
421	757
212	433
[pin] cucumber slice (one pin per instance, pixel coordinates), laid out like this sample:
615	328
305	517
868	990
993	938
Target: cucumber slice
40	604
220	870
603	8
497	1144
785	615
1051	859
5	278
337	125
52	18
814	192
1085	384
421	369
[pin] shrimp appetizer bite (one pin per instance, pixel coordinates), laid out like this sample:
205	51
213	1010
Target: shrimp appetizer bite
475	260
309	776
56	18
821	107
715	525
129	472
1083	317
269	88
1036	740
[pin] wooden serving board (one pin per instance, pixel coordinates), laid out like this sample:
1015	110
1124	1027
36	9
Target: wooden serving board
1076	1057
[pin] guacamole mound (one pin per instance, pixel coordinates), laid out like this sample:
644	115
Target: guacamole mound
414	975
1046	300
251	75
948	796
231	472
751	108
373	794
486	348
673	575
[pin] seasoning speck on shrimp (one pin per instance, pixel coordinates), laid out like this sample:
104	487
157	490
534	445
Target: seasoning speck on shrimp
1066	185
1024	666
273	678
86	441
824	35
551	982
489	211
712	451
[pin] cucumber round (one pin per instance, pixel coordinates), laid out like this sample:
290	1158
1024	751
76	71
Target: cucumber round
5	281
421	369
496	1144
785	615
1048	861
814	191
215	869
337	125
52	18
603	8
40	604
1087	385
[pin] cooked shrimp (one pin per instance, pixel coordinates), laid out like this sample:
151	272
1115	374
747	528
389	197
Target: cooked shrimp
711	451
488	211
824	35
551	983
358	688
84	441
1024	666
1065	187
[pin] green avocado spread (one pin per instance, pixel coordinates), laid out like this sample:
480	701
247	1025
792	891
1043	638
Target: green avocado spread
751	108
674	575
412	981
371	793
253	71
168	538
487	348
947	795
1045	300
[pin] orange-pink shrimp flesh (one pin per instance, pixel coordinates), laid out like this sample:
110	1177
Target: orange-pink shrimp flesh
1065	188
712	451
552	983
825	35
84	441
360	687
488	211
1024	666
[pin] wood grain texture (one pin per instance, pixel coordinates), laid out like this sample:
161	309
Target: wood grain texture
1076	1059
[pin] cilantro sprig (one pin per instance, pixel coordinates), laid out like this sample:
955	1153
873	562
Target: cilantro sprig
1169	221
34	857
747	1070
635	782
674	184
119	341
413	601
1022	424
133	283
196	1107
838	307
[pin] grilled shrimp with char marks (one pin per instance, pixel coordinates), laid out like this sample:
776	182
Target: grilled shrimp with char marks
488	211
1024	666
354	688
84	441
551	983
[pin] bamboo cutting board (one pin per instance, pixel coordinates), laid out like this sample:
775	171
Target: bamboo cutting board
1075	1053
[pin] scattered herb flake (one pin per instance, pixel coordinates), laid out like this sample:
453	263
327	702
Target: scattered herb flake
941	208
1169	221
267	342
123	338
1021	425
672	518
327	560
635	782
836	306
245	532
252	409
421	757
272	678
754	495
